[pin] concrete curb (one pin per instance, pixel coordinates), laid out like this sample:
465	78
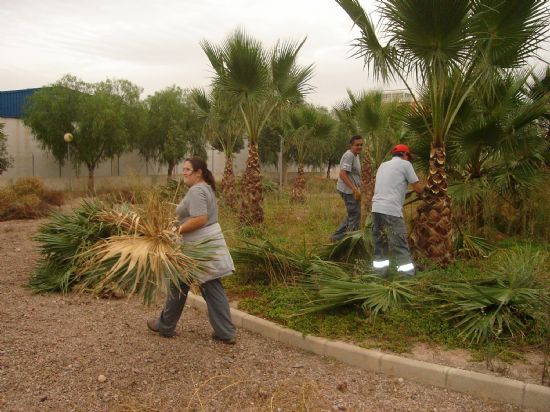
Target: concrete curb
476	384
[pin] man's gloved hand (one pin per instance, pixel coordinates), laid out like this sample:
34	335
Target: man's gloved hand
357	195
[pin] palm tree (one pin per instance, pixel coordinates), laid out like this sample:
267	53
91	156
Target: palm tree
306	128
379	123
224	130
541	87
450	47
259	82
496	148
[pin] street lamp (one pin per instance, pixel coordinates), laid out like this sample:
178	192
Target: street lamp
68	137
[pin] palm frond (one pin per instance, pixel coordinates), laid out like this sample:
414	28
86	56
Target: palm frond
335	287
141	264
473	246
61	240
353	246
379	59
498	307
281	265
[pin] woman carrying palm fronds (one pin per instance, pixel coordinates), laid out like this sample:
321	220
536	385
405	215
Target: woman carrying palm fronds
198	217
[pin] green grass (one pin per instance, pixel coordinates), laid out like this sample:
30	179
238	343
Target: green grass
306	228
397	330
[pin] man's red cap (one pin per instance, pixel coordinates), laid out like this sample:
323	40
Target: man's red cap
401	148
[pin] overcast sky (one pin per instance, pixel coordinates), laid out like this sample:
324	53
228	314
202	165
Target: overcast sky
155	44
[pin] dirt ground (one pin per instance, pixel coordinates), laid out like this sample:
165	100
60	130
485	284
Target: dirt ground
80	353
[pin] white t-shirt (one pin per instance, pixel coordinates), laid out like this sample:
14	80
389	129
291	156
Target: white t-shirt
390	188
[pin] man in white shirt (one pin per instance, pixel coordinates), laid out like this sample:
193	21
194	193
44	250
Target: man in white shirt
348	186
388	227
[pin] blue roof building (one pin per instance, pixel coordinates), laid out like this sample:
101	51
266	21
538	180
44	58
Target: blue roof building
12	102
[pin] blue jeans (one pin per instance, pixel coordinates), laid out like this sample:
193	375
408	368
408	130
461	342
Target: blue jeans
353	219
389	235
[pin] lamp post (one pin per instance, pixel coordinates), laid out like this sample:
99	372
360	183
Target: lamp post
68	137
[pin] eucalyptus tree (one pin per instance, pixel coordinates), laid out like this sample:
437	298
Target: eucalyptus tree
173	128
99	115
450	48
130	109
259	82
53	111
306	129
380	124
5	159
223	128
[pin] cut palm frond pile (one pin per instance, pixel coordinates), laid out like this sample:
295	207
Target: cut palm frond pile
355	245
130	249
507	305
62	240
146	257
280	265
337	287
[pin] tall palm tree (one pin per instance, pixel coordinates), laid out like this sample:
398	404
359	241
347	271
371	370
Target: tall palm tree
259	82
450	47
224	130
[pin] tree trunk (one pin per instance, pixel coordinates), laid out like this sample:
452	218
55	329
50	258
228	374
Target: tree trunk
432	227
228	186
367	185
171	167
298	191
252	212
91	181
328	169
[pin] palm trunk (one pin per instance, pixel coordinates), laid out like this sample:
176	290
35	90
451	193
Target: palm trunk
228	186
298	191
252	212
432	231
285	172
367	185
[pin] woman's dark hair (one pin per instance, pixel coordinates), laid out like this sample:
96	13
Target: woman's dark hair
198	164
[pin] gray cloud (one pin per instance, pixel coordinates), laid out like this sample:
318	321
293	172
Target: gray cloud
156	44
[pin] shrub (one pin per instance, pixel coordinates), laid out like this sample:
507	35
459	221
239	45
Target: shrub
28	185
53	197
27	198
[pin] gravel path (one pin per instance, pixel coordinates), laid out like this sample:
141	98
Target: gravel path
77	352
